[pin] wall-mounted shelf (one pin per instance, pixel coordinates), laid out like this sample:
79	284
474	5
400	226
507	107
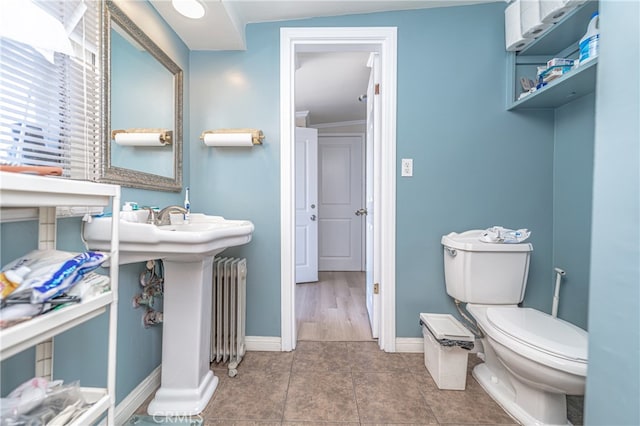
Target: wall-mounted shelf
22	336
561	40
570	86
46	193
564	33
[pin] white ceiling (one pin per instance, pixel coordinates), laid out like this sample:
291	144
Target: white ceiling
327	84
222	27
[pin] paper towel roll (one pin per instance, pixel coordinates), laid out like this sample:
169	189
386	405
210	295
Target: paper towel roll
552	11
531	23
514	40
228	139
139	139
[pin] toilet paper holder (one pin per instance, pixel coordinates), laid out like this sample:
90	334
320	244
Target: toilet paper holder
142	137
232	137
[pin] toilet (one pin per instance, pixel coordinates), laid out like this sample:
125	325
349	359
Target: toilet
532	360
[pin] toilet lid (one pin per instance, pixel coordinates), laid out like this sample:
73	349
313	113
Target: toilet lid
541	330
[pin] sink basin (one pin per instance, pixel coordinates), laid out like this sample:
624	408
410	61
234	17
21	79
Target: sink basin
203	236
187	251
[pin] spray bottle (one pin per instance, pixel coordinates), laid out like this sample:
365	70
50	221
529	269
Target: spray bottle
187	206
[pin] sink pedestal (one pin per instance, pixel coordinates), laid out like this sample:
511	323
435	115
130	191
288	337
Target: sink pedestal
187	382
187	250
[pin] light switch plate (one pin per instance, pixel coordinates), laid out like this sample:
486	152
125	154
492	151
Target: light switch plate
407	167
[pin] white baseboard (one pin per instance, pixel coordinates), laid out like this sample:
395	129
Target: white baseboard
274	344
137	397
264	344
410	344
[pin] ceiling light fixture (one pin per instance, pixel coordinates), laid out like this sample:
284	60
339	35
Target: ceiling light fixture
193	9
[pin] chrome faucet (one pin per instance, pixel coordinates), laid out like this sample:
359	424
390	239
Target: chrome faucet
151	217
163	217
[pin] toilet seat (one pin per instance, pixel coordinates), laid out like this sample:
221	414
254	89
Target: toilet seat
547	354
541	331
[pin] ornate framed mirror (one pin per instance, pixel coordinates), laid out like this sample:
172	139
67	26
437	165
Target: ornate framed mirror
142	88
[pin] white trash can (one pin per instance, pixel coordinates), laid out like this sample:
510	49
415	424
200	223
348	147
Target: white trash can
446	347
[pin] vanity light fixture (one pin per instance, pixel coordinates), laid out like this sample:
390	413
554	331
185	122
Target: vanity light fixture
232	137
142	137
193	9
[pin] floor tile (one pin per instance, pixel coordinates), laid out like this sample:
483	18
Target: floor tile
321	396
321	356
209	422
267	361
251	395
348	383
320	424
414	362
471	406
367	356
391	397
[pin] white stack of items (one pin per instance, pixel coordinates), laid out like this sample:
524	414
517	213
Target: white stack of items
531	20
513	34
526	20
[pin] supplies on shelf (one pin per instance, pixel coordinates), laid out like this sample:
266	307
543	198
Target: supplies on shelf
560	62
556	67
546	75
50	279
39	402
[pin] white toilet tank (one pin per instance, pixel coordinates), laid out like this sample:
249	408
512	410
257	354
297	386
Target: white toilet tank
485	273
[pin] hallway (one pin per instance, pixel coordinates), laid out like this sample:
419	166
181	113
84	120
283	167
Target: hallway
333	309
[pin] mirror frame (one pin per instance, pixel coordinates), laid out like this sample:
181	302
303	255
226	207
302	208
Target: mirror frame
107	172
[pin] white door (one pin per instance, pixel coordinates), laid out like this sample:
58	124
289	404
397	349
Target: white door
340	194
306	176
373	225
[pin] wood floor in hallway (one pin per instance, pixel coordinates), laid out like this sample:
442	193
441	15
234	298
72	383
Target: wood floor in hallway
333	309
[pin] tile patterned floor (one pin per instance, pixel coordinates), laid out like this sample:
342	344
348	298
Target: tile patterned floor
347	383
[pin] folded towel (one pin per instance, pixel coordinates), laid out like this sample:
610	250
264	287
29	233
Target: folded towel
498	234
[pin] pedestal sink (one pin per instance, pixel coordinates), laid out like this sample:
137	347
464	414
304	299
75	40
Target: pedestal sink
187	251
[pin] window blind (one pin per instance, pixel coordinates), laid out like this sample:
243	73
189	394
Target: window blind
50	101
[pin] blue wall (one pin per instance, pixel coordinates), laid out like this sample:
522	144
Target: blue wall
572	189
476	165
613	381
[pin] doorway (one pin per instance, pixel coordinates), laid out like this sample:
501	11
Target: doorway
331	302
382	41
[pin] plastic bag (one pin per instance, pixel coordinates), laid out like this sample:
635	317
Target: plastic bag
43	403
25	397
53	272
498	234
63	276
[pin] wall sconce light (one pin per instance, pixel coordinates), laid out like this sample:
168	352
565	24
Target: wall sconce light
232	137
142	137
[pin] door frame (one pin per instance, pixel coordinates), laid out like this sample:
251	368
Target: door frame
384	41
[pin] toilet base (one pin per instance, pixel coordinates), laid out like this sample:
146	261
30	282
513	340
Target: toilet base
506	398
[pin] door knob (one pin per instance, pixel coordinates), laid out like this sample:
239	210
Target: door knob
313	217
361	212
